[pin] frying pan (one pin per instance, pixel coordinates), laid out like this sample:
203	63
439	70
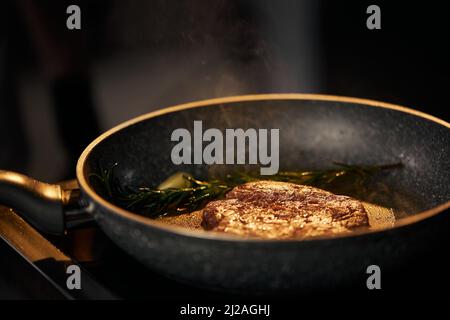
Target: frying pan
314	131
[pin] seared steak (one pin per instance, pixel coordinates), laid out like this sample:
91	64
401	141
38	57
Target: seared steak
268	209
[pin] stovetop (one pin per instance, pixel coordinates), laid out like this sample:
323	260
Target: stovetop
33	265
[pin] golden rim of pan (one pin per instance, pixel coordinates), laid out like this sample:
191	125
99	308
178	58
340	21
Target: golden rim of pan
85	186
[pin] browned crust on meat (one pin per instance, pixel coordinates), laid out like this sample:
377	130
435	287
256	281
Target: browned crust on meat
280	210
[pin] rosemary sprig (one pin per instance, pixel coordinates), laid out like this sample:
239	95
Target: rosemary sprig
352	174
153	202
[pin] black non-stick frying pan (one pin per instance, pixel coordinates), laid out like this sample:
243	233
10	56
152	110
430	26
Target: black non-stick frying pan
314	131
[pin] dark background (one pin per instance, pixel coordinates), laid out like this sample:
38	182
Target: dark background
60	88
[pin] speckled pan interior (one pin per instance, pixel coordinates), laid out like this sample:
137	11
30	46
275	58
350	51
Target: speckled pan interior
313	134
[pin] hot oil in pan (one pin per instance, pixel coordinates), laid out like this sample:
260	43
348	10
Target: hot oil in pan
383	206
379	217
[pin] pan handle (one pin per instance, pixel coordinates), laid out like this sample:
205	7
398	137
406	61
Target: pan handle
51	208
